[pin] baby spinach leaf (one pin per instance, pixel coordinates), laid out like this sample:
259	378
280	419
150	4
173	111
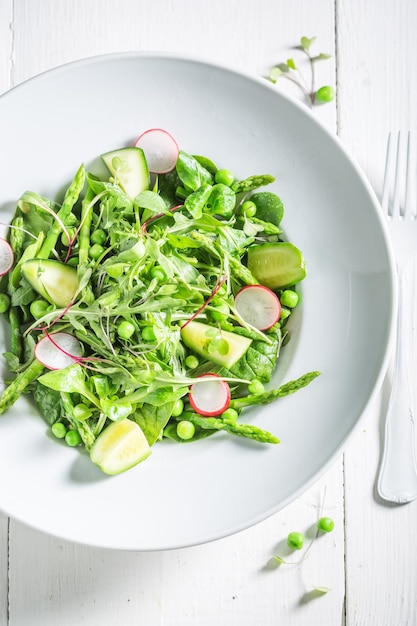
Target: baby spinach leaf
260	359
48	402
152	419
71	380
192	174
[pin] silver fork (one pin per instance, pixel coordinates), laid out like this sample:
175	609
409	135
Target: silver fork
397	480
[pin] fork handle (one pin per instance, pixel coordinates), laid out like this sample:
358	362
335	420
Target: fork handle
398	472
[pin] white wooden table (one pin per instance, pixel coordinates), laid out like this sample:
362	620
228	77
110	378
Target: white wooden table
369	562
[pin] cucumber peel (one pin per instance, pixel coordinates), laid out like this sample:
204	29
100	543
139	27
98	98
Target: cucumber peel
119	447
53	280
276	265
129	168
194	335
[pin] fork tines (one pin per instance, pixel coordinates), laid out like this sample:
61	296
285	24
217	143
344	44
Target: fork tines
400	177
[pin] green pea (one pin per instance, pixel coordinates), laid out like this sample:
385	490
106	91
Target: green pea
289	298
59	430
39	308
248	208
178	408
74	260
148	333
256	387
159	273
224	177
325	524
125	329
95	251
98	236
185	430
64	237
230	414
73	438
295	540
191	362
4	302
325	94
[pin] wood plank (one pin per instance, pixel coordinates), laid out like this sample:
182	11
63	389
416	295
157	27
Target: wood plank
227	582
6	79
4	569
377	92
6	43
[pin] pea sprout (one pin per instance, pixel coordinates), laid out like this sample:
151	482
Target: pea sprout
290	71
295	541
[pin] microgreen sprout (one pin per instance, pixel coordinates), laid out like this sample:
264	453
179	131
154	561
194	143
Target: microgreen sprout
216	342
295	541
290	71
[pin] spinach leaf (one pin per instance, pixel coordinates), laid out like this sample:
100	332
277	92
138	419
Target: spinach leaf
259	360
222	201
152	419
192	174
48	402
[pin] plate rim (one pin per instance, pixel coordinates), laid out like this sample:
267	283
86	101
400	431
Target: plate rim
391	288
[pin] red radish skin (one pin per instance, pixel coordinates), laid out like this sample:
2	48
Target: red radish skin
258	306
6	257
160	149
210	397
157	216
58	350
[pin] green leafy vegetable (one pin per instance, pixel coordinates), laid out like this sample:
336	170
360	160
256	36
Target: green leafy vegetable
142	270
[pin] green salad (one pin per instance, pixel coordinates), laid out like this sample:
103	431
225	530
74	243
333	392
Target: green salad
149	304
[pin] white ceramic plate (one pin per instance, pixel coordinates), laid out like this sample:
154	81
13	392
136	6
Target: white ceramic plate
189	494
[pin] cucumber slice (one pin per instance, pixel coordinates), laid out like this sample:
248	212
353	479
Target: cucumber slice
194	335
53	280
119	447
130	168
276	265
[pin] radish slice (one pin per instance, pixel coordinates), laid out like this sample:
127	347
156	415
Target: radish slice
58	350
211	396
258	306
160	148
6	256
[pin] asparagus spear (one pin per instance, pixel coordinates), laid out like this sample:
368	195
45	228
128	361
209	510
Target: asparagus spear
16	341
71	196
232	427
83	428
16	241
253	182
18	386
84	236
269	396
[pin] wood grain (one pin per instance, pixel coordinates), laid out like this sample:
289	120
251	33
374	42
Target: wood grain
377	92
371	557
